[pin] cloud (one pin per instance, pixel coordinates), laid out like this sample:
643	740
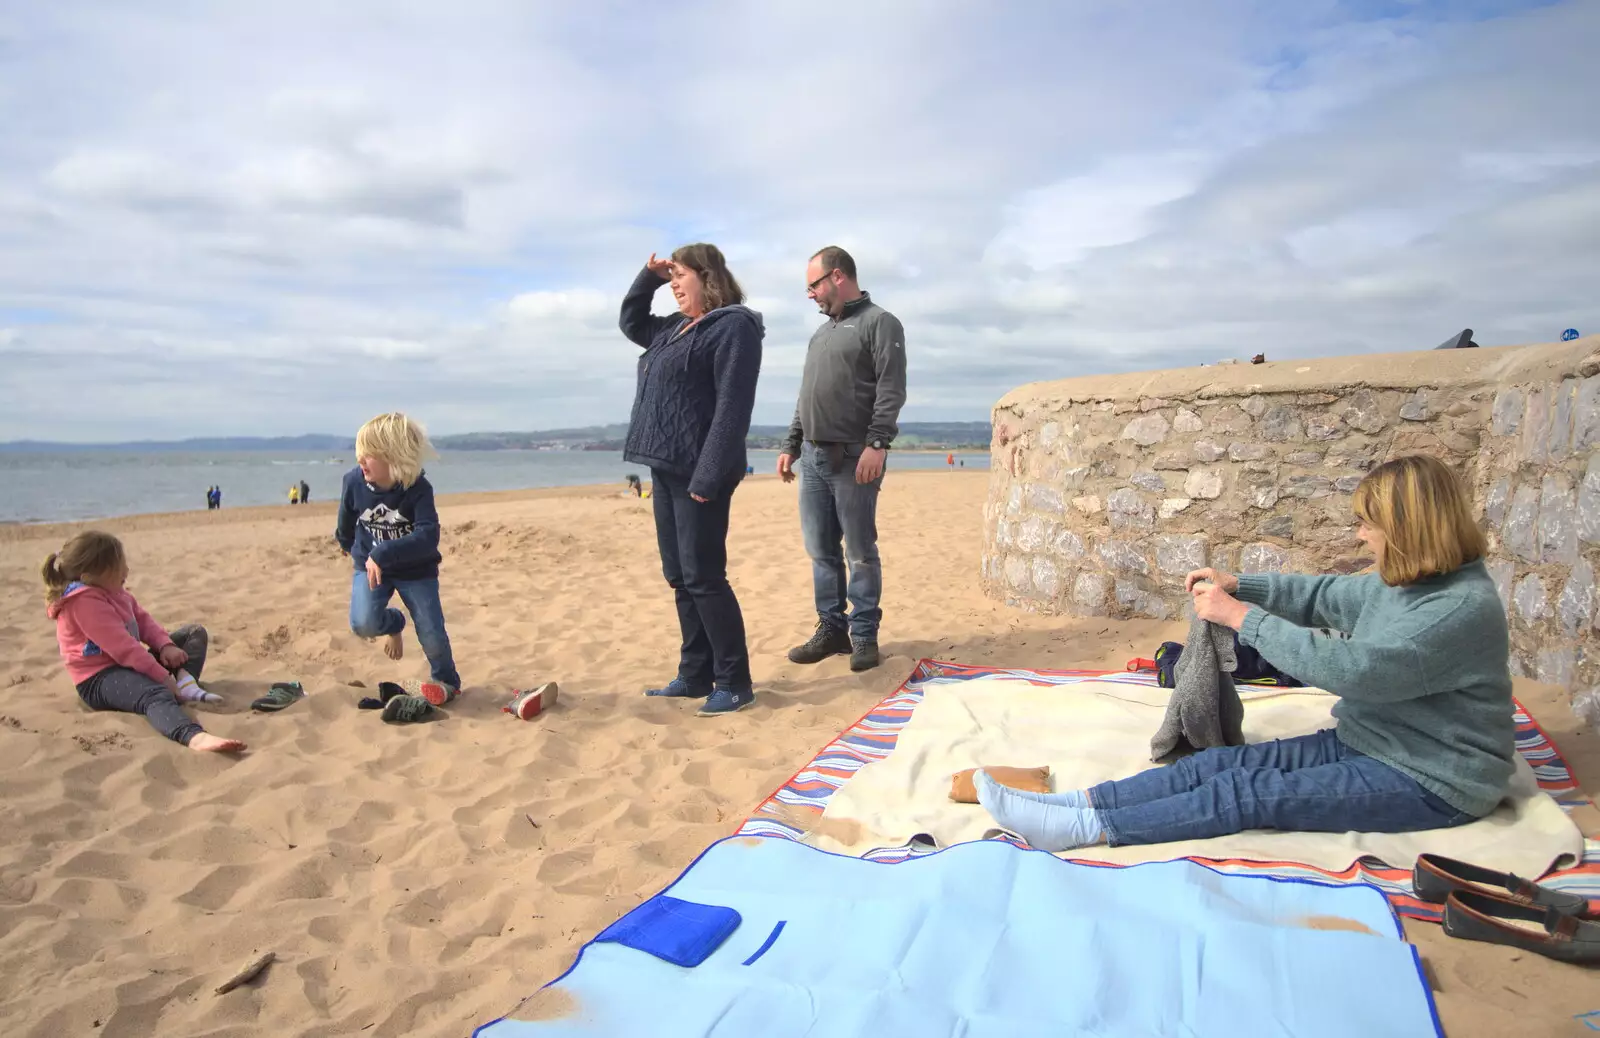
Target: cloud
304	214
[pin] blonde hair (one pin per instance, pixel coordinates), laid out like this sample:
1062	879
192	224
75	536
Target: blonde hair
1423	511
398	440
89	554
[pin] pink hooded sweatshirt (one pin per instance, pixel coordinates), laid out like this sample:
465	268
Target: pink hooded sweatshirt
98	629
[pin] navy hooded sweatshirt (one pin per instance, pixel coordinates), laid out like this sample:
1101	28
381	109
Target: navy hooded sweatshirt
691	412
397	528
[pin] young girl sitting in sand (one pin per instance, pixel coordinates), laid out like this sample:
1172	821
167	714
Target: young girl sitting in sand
118	656
1419	654
390	529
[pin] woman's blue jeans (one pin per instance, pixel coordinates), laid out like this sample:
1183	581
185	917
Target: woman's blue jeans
1312	783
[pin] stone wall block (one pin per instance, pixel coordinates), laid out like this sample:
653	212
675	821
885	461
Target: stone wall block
1088	504
1205	484
1324	427
1018	574
1586	414
1558	440
1208	452
1254	406
1307	486
1530	599
1536	426
1187	421
1047	499
1146	431
1496	501
1139	602
1123	557
1263	558
1126	509
1014	499
1171	461
1046	578
1364	411
1303	459
1502	572
1556	666
1558	530
1347	484
1281	424
1090	592
1148	481
1229	419
1178	555
1415	407
1263	497
1247	451
1589	502
1066	543
1049	434
1575	604
1507	414
1171	506
1521	530
1033	533
1278	526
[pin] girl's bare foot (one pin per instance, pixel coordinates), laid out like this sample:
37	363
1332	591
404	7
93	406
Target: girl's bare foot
394	647
205	742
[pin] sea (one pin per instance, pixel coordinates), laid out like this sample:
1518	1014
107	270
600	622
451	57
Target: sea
97	484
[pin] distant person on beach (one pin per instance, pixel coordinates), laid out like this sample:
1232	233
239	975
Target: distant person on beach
211	498
294	493
115	653
388	525
218	496
691	413
305	492
851	391
634	486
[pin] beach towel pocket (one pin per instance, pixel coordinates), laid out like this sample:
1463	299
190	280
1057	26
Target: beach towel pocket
680	932
1031	780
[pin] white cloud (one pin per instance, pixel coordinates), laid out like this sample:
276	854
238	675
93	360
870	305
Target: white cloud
320	211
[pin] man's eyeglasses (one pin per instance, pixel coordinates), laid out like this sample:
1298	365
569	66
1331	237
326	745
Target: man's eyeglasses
811	286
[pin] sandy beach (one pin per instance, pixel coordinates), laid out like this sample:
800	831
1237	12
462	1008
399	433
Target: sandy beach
422	880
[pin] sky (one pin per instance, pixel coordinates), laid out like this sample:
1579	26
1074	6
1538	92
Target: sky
253	219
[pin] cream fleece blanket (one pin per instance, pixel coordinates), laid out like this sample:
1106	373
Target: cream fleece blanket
1097	730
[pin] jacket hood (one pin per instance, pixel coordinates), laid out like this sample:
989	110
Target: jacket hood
738	311
74	589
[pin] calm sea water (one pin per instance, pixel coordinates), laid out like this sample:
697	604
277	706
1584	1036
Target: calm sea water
56	487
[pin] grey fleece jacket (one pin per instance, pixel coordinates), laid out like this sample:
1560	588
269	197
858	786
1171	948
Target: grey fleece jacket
854	382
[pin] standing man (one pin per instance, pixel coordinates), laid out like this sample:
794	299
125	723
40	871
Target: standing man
850	397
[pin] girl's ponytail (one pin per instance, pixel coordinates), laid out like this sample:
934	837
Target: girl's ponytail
55	582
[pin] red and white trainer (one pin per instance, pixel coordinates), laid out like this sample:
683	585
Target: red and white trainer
527	704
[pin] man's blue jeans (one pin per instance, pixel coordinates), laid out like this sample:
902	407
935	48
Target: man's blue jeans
834	508
1312	783
371	617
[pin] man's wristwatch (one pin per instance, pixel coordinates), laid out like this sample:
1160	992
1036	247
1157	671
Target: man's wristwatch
878	443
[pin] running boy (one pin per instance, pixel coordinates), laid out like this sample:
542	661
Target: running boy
390	529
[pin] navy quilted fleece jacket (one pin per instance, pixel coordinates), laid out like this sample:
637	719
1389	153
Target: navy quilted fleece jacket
691	412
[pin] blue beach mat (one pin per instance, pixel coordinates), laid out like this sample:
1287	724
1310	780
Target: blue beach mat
985	940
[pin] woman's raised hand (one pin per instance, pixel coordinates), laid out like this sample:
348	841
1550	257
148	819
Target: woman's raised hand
1226	581
661	268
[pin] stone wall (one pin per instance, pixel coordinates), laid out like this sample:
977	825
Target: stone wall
1105	491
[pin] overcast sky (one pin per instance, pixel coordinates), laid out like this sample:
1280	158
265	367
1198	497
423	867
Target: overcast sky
221	218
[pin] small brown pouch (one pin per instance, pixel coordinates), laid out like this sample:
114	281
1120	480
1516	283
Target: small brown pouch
1032	780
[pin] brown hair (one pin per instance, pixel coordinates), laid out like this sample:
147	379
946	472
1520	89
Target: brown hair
1422	508
718	284
834	258
89	554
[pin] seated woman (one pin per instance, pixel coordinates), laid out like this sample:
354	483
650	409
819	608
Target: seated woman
1417	652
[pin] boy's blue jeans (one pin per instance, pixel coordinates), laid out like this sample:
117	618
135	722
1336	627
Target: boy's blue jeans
1312	783
371	617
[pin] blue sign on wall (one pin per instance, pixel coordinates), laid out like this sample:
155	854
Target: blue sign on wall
1569	335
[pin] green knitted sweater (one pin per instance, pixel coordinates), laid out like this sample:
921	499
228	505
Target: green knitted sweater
1421	670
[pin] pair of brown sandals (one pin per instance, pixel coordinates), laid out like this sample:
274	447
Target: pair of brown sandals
1483	905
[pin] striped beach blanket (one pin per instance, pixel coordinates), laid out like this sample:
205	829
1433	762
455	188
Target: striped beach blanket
785	813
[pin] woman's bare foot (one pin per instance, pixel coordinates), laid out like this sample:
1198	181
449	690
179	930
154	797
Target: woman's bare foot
205	742
394	646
